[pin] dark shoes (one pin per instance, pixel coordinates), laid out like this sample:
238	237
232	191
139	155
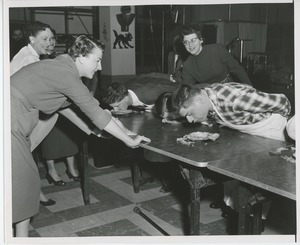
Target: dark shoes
227	212
50	202
75	178
165	189
233	221
51	180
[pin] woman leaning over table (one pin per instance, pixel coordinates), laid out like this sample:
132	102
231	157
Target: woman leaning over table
47	86
40	39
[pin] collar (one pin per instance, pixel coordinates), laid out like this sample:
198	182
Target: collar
32	50
67	59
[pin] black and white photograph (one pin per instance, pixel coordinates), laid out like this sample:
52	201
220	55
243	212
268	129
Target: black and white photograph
129	123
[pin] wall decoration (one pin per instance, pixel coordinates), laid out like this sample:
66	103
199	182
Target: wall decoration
122	39
125	18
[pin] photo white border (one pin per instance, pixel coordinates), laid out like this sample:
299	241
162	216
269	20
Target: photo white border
114	240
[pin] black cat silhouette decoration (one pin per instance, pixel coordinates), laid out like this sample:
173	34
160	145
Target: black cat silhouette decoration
122	40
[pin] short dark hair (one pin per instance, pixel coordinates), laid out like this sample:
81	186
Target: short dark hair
84	46
190	29
164	104
114	93
33	28
184	95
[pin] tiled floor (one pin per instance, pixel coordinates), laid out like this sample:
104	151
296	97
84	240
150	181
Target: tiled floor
113	200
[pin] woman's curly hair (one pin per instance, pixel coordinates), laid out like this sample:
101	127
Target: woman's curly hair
83	46
114	93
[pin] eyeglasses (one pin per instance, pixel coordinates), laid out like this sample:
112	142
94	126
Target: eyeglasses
192	41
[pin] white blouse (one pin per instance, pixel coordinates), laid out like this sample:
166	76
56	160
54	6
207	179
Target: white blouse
24	57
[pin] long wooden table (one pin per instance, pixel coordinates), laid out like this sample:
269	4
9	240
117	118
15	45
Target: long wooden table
272	173
230	145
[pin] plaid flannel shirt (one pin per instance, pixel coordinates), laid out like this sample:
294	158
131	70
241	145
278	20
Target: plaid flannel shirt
242	104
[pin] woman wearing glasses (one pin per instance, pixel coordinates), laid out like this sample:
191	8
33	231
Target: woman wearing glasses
210	63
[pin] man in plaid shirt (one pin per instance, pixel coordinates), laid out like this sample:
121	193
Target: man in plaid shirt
235	105
241	107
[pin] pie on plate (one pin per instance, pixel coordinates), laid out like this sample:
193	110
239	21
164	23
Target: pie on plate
201	136
189	139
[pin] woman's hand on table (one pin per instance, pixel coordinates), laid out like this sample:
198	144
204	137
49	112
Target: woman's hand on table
137	140
120	124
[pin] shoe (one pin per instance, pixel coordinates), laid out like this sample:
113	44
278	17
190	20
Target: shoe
51	180
50	202
75	178
227	212
217	204
165	189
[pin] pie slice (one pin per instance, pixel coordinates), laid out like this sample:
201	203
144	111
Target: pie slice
201	136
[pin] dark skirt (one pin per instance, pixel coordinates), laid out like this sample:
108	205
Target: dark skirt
62	141
26	182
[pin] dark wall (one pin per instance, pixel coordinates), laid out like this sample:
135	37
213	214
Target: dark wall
279	17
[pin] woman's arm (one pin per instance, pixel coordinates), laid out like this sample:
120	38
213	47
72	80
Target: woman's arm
114	129
74	118
233	65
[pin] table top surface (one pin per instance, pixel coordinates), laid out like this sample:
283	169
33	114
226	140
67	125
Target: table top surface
269	172
230	144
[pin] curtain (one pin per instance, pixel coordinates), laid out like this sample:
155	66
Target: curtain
257	32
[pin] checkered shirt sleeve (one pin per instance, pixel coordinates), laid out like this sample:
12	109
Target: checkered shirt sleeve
242	104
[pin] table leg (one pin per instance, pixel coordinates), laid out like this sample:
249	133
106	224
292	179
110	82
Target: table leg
136	176
196	183
244	221
84	156
257	221
248	225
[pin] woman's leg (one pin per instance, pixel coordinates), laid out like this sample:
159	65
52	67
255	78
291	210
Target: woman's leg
22	228
52	170
43	197
71	166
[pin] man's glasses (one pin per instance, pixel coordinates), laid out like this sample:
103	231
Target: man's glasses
192	41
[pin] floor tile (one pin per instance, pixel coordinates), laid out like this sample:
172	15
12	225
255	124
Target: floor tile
117	228
111	212
74	199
